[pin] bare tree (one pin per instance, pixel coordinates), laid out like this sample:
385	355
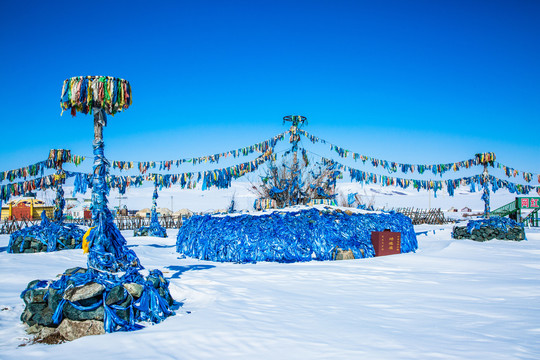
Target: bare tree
294	182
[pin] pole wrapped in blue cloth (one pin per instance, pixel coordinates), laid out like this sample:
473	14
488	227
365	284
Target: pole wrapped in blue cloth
155	228
107	247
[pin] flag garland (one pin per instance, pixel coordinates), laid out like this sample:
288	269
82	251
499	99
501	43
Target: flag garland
435	185
84	94
219	178
439	169
39	167
24	172
392	166
20	188
144	166
511	172
222	178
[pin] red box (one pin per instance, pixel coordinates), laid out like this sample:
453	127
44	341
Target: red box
386	242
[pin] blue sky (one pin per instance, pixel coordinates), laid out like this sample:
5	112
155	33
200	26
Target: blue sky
410	81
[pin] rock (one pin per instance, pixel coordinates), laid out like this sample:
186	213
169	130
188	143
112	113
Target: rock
32	313
75	270
34	329
36	307
51	339
164	293
154	281
26	317
86	291
54	299
45	331
344	255
32	283
117	294
134	289
16	248
40	332
72	330
91	301
44	317
35	296
124	314
72	313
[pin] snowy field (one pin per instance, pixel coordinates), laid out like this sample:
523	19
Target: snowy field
452	299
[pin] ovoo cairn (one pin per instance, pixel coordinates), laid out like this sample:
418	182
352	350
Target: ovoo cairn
110	295
495	227
294	234
50	235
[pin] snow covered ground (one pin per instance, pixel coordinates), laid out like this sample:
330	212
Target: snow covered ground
452	299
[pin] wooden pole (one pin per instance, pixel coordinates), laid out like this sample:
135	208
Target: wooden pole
485	176
98	125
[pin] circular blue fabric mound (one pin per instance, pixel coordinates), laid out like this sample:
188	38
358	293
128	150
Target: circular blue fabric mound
288	236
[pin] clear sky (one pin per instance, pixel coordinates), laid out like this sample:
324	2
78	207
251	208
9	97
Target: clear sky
407	81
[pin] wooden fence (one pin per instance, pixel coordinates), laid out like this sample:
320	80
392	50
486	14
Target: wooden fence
424	216
122	222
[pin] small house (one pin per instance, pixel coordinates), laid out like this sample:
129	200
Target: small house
183	213
26	208
80	212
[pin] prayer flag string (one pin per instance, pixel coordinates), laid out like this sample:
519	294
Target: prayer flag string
38	168
144	166
222	178
392	166
435	185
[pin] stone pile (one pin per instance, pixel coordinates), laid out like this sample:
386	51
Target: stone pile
30	244
65	309
46	236
495	228
155	229
143	231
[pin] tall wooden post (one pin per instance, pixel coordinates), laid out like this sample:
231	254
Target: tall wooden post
297	121
101	95
59	202
57	157
485	196
485	159
100	169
